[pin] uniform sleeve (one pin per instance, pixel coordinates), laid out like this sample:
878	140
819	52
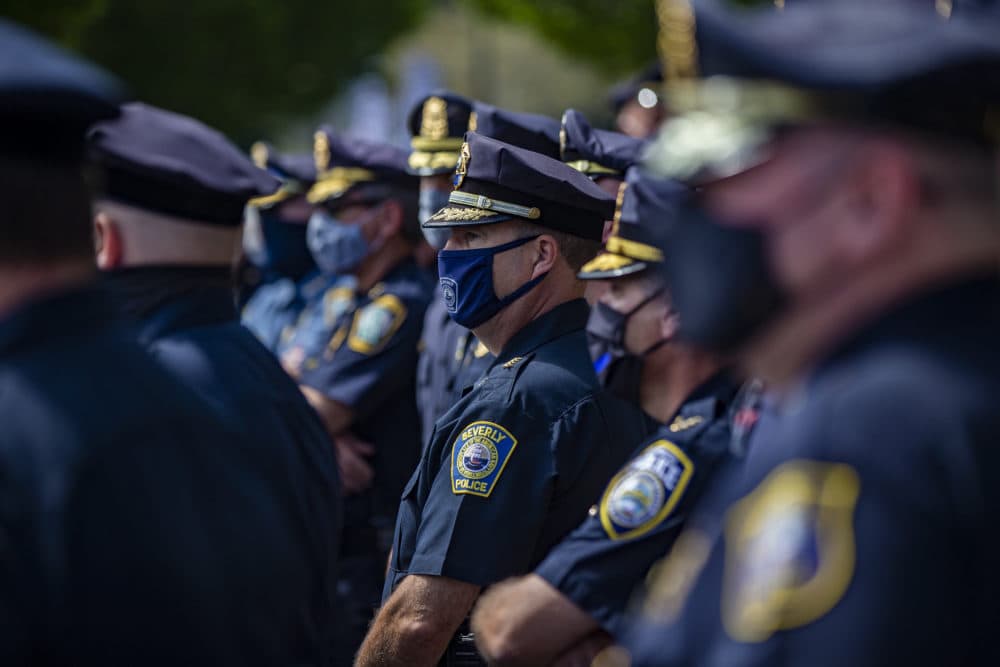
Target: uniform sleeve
376	354
640	514
486	504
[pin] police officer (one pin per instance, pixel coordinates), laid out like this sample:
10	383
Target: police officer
167	223
274	241
448	351
130	533
860	213
576	598
354	351
515	464
638	102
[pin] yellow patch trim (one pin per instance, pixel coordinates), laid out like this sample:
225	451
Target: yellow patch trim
336	341
464	440
828	492
633	249
333	296
671	579
389	302
668	506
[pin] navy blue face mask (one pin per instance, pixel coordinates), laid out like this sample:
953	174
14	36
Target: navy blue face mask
467	283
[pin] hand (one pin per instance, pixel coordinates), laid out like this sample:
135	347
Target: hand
356	473
583	654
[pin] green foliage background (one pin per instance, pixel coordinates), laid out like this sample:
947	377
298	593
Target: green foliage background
251	66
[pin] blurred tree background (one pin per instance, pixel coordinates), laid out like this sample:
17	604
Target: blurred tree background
252	67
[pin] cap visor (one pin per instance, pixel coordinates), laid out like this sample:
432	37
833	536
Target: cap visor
457	215
609	265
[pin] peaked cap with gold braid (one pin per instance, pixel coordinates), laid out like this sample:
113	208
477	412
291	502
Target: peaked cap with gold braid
437	124
347	166
735	76
296	171
597	153
644	212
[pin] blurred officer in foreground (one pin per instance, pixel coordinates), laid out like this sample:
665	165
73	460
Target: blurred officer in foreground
354	352
638	103
274	241
448	351
576	598
859	219
129	532
515	464
167	225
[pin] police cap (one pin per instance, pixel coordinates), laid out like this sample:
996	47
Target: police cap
496	181
296	171
739	75
172	164
596	152
643	212
525	130
437	124
350	170
48	98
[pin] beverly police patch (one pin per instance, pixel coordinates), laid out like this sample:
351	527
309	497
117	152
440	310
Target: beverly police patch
789	549
478	458
375	323
642	495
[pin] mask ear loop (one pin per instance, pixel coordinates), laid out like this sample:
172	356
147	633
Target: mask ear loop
663	341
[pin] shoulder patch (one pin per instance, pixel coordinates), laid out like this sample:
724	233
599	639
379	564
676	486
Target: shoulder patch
670	580
646	491
375	324
789	549
336	302
478	457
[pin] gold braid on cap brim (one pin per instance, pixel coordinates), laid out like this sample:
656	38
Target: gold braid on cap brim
453	214
638	251
433	160
335	182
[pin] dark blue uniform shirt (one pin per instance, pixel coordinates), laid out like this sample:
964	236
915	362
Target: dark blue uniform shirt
195	333
275	306
361	350
862	531
644	508
451	358
132	530
515	464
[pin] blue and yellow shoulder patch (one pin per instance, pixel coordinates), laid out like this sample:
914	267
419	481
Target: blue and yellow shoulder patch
478	457
789	549
646	491
375	324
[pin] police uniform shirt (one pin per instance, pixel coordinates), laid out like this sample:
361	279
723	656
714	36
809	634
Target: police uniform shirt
862	531
451	358
361	350
644	507
515	464
274	307
131	533
195	334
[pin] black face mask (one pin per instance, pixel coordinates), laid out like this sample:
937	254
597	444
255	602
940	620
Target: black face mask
720	280
618	370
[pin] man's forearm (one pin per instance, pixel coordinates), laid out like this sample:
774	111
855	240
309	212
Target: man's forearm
415	625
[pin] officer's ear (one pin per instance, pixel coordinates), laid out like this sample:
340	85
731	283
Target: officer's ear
547	251
108	243
884	191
